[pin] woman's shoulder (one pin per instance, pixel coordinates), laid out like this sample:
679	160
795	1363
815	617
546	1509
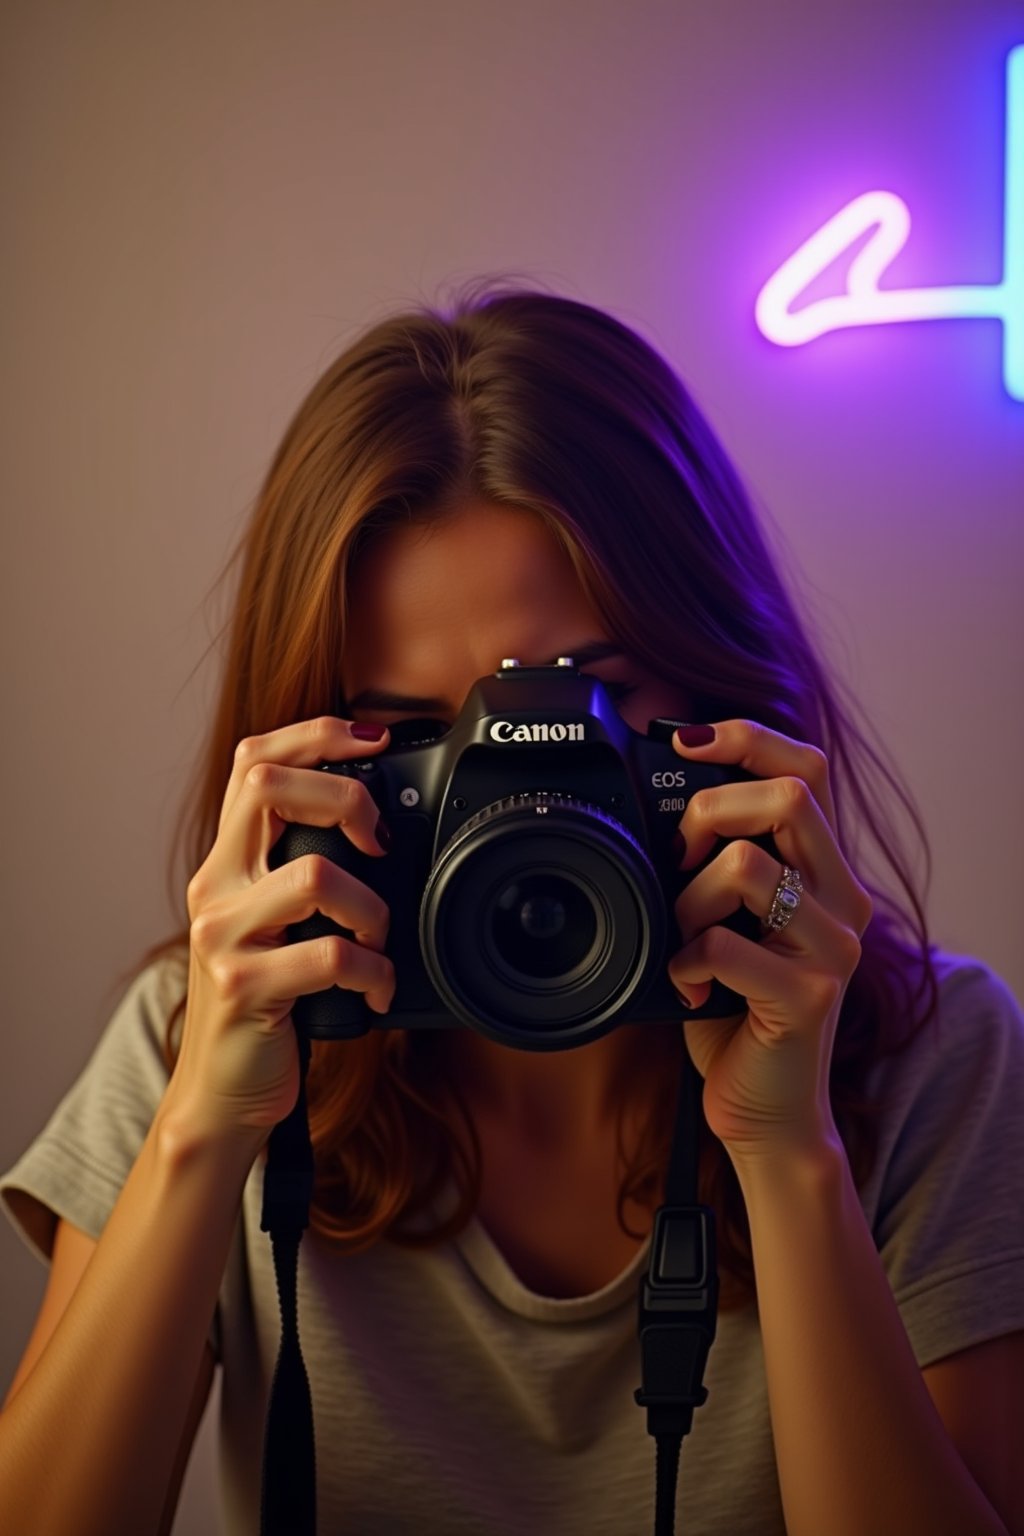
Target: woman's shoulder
962	973
966	1060
77	1163
163	981
944	1195
157	984
144	1002
974	1002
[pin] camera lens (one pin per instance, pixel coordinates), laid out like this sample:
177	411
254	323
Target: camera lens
541	920
541	925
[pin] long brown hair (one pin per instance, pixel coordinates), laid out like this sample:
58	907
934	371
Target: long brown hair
531	400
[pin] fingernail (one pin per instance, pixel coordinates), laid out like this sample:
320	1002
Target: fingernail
679	847
382	832
695	735
362	730
682	998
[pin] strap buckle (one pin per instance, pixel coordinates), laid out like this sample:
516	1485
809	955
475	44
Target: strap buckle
677	1310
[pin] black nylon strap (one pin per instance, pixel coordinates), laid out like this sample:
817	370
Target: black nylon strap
681	1178
289	1458
677	1313
677	1302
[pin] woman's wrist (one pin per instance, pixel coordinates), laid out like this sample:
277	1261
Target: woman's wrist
802	1161
185	1136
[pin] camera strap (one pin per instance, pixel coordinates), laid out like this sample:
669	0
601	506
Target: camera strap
677	1311
677	1301
288	1499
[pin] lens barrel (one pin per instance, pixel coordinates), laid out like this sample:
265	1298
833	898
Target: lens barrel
541	921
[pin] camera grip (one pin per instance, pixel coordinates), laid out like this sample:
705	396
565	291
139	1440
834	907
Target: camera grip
335	1013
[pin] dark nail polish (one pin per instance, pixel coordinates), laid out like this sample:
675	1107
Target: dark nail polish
696	735
679	847
362	730
382	832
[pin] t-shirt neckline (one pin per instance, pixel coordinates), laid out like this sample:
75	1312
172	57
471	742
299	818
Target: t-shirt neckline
483	1256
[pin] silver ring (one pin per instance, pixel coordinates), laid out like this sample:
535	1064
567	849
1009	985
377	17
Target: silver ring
785	901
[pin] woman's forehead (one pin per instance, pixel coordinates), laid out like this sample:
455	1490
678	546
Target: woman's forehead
426	604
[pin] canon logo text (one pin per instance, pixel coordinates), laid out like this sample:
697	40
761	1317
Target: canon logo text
504	730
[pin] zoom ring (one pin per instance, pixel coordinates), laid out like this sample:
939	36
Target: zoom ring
539	800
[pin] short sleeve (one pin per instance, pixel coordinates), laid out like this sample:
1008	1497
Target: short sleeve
77	1165
949	1224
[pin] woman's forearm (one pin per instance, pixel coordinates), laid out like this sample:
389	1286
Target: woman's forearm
89	1441
860	1447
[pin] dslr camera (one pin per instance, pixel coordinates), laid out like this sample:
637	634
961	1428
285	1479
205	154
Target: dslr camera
530	877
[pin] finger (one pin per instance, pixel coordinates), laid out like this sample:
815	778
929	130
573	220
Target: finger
274	795
782	992
313	965
304	744
745	875
786	809
322	886
246	921
258	914
769	755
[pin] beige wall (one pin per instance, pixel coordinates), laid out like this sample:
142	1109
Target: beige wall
202	203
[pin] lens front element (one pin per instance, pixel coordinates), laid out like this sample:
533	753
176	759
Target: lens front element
542	926
540	921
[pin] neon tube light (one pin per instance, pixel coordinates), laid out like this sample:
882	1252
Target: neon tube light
864	303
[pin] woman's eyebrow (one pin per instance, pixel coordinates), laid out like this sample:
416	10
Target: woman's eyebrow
380	698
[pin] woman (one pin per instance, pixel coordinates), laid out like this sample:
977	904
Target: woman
526	478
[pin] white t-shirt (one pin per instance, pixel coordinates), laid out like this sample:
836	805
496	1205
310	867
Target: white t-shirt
450	1400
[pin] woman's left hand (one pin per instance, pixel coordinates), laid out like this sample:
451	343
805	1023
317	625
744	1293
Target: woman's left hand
766	1071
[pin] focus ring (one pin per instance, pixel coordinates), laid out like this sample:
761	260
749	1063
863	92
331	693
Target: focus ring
538	800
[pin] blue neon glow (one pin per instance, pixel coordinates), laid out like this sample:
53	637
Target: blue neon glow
864	304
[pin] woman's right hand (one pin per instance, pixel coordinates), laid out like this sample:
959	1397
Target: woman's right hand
237	1073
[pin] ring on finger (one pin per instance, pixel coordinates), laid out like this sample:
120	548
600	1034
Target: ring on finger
785	901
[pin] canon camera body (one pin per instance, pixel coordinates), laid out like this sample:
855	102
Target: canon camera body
530	876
